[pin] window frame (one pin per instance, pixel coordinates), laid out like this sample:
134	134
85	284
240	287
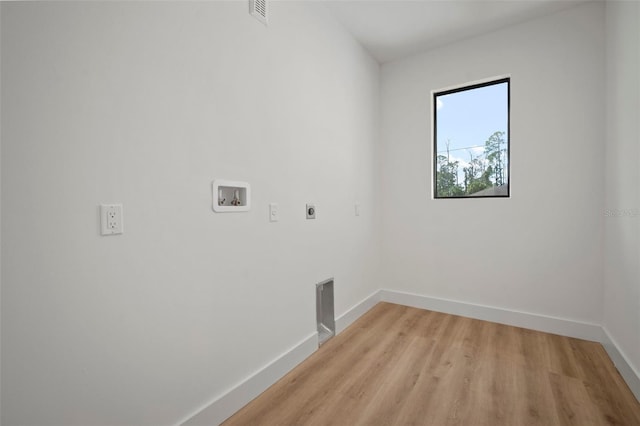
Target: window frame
434	159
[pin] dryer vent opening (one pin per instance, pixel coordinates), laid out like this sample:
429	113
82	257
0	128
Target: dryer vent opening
324	311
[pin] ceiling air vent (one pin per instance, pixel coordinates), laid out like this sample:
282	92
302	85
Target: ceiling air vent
258	8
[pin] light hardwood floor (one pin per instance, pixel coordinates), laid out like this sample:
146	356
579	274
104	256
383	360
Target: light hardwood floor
404	366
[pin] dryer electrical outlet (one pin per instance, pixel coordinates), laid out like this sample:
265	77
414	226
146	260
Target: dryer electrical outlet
311	211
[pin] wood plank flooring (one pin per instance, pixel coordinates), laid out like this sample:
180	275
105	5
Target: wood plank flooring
404	366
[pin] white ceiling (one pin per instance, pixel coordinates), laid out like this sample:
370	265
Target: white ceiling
392	29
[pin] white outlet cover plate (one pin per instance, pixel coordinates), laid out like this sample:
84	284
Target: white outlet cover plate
311	211
111	219
274	213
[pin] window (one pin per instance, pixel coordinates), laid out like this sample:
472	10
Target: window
471	141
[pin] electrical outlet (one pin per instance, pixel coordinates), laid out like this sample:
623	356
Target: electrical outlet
311	211
111	219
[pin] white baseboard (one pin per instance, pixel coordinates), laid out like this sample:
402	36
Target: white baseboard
226	405
621	361
356	311
548	324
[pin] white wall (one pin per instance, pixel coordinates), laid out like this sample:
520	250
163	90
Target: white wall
541	250
145	104
622	243
0	217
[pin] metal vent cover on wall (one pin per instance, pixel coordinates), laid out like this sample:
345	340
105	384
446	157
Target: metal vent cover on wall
324	311
258	8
